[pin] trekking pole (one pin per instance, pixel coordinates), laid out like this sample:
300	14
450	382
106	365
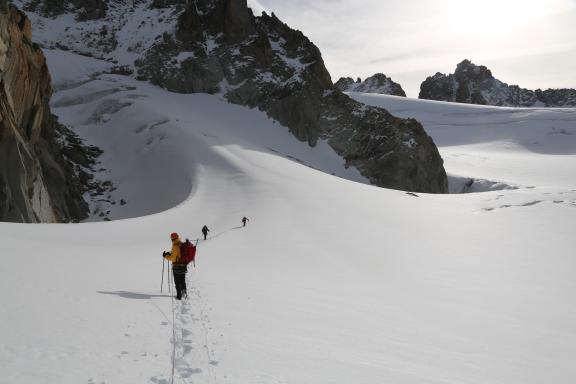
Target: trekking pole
169	282
194	261
162	281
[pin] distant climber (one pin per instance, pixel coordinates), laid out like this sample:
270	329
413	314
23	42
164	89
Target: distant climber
244	220
205	231
179	267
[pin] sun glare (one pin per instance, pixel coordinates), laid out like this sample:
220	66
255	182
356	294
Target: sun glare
497	17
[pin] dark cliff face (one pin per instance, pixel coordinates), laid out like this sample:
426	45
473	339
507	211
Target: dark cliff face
379	83
220	47
38	181
474	84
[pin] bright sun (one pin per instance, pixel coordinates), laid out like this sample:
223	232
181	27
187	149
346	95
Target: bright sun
497	17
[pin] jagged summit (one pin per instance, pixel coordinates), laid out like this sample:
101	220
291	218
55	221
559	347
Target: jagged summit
475	84
220	47
379	83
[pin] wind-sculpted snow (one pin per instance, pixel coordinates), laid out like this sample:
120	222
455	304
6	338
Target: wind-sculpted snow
155	142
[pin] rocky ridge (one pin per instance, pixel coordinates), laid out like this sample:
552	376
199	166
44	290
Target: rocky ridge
473	84
379	83
44	167
219	47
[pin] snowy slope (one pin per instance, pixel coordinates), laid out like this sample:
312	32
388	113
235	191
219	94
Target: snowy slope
513	146
121	36
332	281
155	142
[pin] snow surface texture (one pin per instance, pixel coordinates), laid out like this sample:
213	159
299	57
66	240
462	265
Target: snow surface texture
495	147
155	141
332	281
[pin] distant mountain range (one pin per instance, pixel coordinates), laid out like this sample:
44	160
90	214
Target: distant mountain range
470	84
474	84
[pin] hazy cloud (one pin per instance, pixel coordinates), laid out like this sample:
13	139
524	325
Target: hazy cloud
412	39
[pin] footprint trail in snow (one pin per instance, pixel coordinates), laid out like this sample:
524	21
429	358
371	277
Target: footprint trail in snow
194	360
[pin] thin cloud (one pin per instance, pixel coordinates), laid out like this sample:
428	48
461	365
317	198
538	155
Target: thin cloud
256	7
422	37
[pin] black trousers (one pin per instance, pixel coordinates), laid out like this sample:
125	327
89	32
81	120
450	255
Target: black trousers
179	272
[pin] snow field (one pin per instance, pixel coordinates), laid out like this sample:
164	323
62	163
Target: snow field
332	281
519	146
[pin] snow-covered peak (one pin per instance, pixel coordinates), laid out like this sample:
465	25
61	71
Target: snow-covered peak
379	83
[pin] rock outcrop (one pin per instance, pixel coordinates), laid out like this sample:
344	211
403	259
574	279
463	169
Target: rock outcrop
42	164
379	83
220	47
474	84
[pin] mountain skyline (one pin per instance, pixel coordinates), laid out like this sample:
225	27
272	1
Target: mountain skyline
175	116
528	43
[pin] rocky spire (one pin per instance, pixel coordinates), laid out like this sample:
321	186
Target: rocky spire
239	22
475	84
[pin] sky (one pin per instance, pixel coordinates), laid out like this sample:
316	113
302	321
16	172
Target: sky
524	42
